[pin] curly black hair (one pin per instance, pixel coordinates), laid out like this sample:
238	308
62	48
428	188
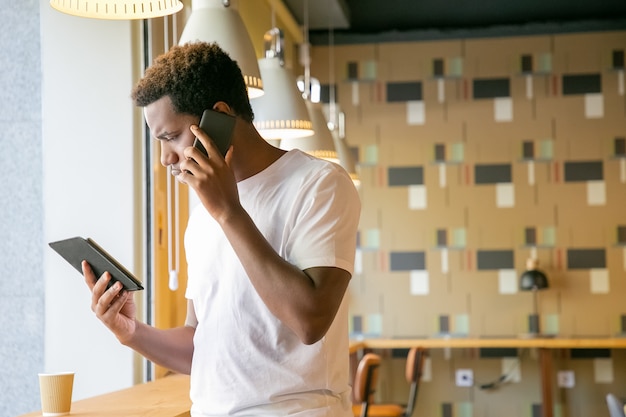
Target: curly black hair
195	76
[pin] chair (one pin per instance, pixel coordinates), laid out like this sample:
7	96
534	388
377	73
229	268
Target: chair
366	378
616	405
365	381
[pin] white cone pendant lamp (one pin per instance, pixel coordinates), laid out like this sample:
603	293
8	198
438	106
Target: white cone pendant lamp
320	144
219	21
281	112
346	159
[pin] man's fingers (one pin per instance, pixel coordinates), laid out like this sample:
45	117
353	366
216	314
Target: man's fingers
107	300
90	277
206	141
98	289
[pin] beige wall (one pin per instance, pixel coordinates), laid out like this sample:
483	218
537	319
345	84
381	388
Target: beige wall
567	215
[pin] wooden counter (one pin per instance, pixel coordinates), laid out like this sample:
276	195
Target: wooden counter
169	396
545	346
164	397
492	342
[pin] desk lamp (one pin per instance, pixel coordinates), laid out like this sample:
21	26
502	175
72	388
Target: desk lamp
533	280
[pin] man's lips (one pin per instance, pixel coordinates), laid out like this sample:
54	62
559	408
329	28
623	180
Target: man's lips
175	171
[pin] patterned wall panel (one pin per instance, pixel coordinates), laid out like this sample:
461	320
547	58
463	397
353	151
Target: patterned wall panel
475	155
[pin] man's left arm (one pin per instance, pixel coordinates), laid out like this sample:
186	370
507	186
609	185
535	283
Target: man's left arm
306	301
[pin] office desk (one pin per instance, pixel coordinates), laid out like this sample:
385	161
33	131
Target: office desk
164	397
544	346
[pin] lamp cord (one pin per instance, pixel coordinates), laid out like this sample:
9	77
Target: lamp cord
332	123
173	214
306	56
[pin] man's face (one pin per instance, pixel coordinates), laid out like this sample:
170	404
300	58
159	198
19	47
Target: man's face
171	129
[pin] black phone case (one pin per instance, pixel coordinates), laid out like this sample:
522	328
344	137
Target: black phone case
76	249
219	126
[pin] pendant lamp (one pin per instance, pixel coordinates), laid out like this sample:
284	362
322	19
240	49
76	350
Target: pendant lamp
337	119
117	9
281	112
321	143
346	159
219	21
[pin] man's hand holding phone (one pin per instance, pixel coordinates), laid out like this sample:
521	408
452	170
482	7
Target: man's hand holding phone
219	127
212	179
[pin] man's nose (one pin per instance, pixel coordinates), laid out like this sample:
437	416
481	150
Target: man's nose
168	155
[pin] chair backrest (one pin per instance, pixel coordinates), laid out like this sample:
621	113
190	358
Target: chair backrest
616	405
365	380
414	370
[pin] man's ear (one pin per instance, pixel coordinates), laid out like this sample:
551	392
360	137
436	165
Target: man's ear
223	107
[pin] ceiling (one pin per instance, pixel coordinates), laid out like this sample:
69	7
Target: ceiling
372	21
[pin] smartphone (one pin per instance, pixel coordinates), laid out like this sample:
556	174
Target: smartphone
219	126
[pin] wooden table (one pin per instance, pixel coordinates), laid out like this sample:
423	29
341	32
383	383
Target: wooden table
169	396
545	345
164	397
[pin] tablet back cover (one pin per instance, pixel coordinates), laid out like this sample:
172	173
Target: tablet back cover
76	249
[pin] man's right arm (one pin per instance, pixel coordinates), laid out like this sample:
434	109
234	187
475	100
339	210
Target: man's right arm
170	348
115	308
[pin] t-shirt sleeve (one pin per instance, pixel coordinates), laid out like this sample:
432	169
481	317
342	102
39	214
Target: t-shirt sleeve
325	226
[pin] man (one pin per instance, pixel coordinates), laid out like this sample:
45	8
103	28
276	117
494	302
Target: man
270	252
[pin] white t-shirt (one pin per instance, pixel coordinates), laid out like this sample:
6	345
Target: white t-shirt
246	362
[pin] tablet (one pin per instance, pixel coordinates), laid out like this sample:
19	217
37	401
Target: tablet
76	249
